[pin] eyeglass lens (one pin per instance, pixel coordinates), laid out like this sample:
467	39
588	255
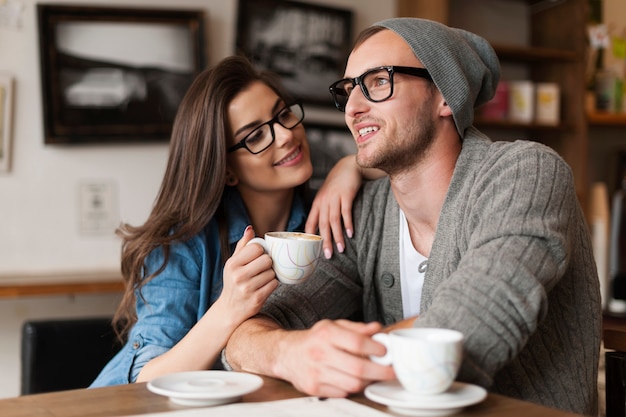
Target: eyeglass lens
263	136
375	84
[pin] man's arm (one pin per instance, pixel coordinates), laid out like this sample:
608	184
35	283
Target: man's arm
258	332
331	359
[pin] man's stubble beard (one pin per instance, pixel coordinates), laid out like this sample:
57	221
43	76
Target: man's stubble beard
403	152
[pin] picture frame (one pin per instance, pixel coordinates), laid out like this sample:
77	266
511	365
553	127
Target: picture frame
6	118
112	75
327	144
306	45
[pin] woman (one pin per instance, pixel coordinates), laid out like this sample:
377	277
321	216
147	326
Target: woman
239	162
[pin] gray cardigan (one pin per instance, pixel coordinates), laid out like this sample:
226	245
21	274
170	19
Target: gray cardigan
511	267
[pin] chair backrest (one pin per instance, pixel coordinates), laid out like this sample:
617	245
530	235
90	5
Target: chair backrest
62	354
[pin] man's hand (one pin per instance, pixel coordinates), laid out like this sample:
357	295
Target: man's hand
332	358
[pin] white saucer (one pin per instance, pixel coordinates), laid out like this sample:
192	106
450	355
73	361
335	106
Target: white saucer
204	388
392	394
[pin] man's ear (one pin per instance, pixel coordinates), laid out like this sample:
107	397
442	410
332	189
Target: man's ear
444	110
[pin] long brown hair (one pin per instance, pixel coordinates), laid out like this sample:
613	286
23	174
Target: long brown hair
194	181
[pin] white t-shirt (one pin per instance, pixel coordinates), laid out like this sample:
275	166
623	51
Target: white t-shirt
412	269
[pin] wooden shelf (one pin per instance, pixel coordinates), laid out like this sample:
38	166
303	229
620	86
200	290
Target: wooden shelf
505	124
607	119
28	285
533	54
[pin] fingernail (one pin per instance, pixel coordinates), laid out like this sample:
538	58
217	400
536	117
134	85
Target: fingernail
249	227
349	233
327	253
339	247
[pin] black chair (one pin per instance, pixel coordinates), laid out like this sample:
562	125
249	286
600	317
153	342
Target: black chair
63	354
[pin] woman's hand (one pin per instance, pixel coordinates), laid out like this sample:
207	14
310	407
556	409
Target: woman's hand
248	280
332	207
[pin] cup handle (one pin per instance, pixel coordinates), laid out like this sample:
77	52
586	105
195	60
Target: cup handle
259	241
382	338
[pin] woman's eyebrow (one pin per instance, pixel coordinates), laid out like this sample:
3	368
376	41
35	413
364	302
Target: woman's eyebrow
275	107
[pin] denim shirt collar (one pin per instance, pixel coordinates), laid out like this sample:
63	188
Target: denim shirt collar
238	218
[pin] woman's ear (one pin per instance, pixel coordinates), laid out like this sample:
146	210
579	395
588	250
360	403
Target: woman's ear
231	178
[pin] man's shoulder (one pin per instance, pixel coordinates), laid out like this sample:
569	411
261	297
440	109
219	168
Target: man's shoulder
521	152
517	147
477	142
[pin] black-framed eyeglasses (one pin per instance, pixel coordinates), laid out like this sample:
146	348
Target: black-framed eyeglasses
376	84
263	135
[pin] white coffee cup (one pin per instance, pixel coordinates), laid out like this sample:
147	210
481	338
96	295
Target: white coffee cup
294	254
425	360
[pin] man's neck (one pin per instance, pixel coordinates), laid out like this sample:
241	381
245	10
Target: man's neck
421	191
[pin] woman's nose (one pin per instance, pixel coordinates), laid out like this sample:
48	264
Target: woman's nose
282	135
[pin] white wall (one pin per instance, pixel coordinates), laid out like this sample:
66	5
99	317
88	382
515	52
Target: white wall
39	230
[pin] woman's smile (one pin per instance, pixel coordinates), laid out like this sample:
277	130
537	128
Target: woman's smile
293	158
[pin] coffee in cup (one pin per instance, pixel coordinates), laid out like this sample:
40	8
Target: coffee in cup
294	254
425	360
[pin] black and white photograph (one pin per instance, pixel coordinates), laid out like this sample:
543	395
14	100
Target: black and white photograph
328	145
113	75
307	45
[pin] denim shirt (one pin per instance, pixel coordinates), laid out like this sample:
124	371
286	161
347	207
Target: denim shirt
172	302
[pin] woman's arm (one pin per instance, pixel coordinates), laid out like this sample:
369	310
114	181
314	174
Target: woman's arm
248	281
332	207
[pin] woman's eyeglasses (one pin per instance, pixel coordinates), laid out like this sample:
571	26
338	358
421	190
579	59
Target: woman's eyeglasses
263	135
376	84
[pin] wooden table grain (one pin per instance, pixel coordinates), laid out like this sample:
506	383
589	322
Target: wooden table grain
137	399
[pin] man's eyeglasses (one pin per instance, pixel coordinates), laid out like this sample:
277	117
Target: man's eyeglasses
376	84
263	135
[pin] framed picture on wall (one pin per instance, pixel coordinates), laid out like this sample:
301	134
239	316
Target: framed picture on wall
328	145
6	115
306	44
115	74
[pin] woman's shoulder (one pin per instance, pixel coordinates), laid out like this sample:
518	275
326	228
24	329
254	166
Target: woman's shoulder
193	248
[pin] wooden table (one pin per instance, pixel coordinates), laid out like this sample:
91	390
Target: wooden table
136	399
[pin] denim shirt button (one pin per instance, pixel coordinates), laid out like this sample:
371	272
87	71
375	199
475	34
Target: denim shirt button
388	280
136	345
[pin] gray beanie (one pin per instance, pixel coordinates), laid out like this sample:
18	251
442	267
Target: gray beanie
463	66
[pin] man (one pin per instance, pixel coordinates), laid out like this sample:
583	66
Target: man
483	237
